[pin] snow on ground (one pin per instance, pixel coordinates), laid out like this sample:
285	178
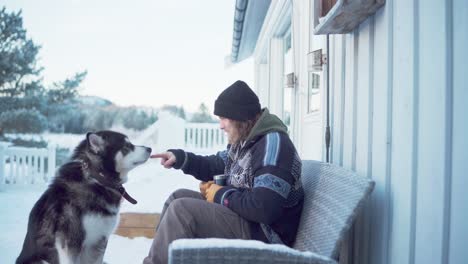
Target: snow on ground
17	201
150	184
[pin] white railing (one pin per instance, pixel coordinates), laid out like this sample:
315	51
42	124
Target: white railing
171	132
26	165
204	136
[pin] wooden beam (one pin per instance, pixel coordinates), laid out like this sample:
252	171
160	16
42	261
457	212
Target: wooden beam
137	225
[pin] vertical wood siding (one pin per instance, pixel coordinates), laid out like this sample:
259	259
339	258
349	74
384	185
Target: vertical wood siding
399	103
432	132
363	123
399	106
458	231
381	131
349	104
276	71
337	97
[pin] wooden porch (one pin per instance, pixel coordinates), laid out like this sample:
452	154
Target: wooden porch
133	225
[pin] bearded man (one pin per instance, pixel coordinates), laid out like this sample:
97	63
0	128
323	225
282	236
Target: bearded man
263	197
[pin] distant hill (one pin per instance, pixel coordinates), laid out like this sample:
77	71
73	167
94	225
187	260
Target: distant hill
94	100
90	101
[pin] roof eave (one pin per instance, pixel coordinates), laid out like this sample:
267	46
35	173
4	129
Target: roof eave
248	21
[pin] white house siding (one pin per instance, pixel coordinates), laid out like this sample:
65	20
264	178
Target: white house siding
276	83
261	81
349	119
381	131
398	114
403	133
405	101
300	46
458	213
433	128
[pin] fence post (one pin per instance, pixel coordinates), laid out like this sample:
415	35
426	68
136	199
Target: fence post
2	163
50	162
171	132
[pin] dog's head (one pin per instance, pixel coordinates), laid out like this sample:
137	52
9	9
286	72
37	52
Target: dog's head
113	152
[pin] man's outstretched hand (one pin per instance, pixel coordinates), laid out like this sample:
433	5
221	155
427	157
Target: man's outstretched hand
168	159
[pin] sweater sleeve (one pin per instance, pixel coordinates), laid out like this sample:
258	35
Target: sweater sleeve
201	167
272	160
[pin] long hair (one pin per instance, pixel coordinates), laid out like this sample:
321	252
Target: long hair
243	128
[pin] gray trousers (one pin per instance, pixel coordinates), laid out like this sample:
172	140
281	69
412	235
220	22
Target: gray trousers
186	214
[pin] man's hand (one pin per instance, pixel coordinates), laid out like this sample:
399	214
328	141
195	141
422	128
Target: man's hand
168	159
211	192
204	186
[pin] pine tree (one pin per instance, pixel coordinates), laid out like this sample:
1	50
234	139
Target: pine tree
18	56
203	115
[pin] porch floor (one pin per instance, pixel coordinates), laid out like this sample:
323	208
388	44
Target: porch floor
133	225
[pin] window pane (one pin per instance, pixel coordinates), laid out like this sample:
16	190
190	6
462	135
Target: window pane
287	91
313	99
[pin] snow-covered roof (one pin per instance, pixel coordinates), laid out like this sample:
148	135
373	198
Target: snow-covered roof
248	21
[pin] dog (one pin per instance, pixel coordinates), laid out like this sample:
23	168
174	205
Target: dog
72	221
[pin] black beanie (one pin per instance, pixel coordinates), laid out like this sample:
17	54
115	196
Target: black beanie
237	102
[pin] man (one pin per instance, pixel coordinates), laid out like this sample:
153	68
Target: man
263	198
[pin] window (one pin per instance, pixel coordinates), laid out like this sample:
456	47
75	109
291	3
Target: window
313	93
287	91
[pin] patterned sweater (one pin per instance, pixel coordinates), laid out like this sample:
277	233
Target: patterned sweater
264	184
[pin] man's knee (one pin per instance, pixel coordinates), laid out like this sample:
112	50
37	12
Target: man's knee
182	193
180	211
176	195
179	206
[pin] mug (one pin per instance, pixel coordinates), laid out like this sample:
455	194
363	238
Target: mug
220	179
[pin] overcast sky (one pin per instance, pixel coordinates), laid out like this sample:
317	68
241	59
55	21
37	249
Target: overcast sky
137	52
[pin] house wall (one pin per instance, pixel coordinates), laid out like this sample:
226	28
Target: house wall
402	123
398	103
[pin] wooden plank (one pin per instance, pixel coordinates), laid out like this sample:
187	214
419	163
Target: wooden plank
337	109
349	125
459	206
381	138
349	121
139	220
363	132
276	72
332	92
304	8
348	140
431	147
2	163
137	224
364	98
403	133
132	232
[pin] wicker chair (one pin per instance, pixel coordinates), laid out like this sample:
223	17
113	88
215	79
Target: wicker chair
333	198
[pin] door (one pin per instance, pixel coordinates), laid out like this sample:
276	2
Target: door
314	101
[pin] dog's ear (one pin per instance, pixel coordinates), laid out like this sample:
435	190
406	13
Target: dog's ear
95	142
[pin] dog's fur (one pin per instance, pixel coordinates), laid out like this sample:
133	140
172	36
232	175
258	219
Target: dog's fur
73	219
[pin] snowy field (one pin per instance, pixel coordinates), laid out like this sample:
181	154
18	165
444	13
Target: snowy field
150	184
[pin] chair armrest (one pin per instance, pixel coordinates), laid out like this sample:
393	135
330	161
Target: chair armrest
216	251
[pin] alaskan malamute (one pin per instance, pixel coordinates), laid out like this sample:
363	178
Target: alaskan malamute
73	219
